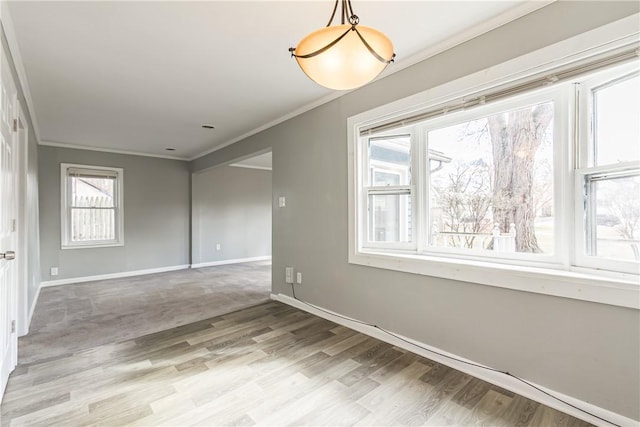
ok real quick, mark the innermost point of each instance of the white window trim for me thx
(66, 243)
(585, 164)
(618, 289)
(561, 133)
(580, 210)
(411, 246)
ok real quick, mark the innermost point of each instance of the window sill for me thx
(92, 246)
(585, 285)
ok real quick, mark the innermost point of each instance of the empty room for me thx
(320, 213)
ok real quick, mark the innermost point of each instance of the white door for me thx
(8, 203)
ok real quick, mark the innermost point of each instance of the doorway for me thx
(232, 208)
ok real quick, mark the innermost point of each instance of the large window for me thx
(91, 206)
(492, 188)
(535, 175)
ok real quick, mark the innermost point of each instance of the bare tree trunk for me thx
(502, 147)
(515, 138)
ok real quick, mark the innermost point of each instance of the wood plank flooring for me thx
(266, 365)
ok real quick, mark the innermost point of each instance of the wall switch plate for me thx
(218, 246)
(299, 278)
(54, 271)
(282, 201)
(288, 274)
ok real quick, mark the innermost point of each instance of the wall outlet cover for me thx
(54, 271)
(288, 274)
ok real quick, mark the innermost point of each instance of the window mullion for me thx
(566, 156)
(421, 188)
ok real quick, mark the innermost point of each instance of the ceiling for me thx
(145, 76)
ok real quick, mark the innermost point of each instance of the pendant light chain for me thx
(333, 14)
(352, 16)
(346, 12)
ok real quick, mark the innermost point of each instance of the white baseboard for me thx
(230, 261)
(113, 275)
(499, 379)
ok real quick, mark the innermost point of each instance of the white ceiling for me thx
(144, 76)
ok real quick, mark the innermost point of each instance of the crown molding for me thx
(14, 52)
(310, 106)
(109, 150)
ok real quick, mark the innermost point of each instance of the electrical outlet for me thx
(218, 246)
(288, 274)
(54, 271)
(282, 201)
(299, 278)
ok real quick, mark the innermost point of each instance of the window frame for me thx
(583, 210)
(402, 189)
(66, 208)
(568, 280)
(559, 96)
(586, 166)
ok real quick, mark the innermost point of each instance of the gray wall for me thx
(156, 215)
(232, 207)
(582, 349)
(31, 242)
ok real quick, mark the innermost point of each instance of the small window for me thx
(91, 206)
(613, 215)
(608, 180)
(389, 191)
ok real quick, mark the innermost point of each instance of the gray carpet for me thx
(73, 317)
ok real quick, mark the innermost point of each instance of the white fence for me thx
(504, 242)
(92, 219)
(498, 241)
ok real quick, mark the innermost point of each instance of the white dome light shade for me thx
(347, 64)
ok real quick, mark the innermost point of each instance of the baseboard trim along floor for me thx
(133, 273)
(231, 261)
(495, 378)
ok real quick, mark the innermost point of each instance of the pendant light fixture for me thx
(344, 56)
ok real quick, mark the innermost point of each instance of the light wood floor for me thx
(266, 365)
